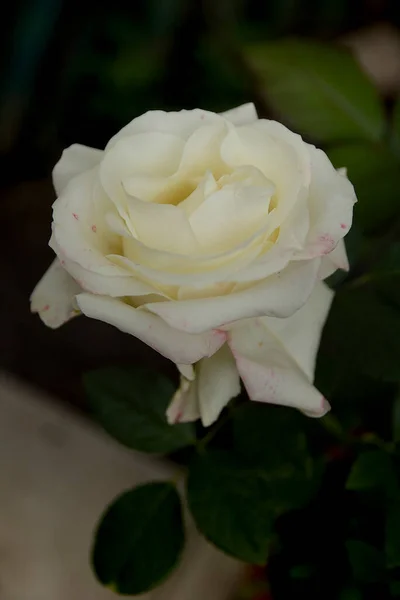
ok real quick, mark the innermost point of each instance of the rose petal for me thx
(80, 228)
(300, 334)
(232, 214)
(241, 115)
(184, 406)
(74, 160)
(53, 296)
(280, 295)
(217, 382)
(268, 371)
(337, 259)
(179, 123)
(331, 201)
(178, 346)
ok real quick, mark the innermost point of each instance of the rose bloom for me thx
(207, 237)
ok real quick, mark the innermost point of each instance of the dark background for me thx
(78, 71)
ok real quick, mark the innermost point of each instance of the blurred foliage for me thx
(319, 499)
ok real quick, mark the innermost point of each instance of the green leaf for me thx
(232, 505)
(395, 588)
(319, 89)
(374, 172)
(385, 276)
(361, 333)
(396, 419)
(140, 539)
(350, 593)
(273, 438)
(367, 563)
(396, 127)
(392, 542)
(373, 469)
(270, 436)
(131, 404)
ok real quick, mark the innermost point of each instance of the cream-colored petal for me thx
(232, 214)
(162, 227)
(268, 371)
(179, 123)
(202, 151)
(187, 371)
(241, 115)
(53, 297)
(337, 259)
(180, 347)
(275, 158)
(300, 334)
(184, 405)
(331, 201)
(280, 295)
(80, 228)
(73, 161)
(217, 383)
(151, 154)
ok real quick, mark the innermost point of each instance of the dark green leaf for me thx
(385, 276)
(319, 90)
(367, 563)
(374, 172)
(393, 533)
(273, 438)
(232, 505)
(350, 593)
(396, 419)
(361, 333)
(140, 539)
(131, 404)
(373, 469)
(396, 127)
(395, 588)
(269, 435)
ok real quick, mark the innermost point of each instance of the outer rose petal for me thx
(241, 115)
(53, 296)
(279, 296)
(331, 200)
(178, 346)
(276, 358)
(74, 160)
(215, 382)
(337, 259)
(184, 406)
(300, 334)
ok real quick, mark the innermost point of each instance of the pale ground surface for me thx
(57, 473)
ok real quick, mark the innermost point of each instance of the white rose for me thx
(202, 235)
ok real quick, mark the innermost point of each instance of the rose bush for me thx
(207, 237)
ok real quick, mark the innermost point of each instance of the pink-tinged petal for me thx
(300, 334)
(74, 160)
(337, 259)
(184, 405)
(217, 383)
(81, 206)
(268, 371)
(241, 115)
(180, 347)
(331, 201)
(53, 297)
(279, 296)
